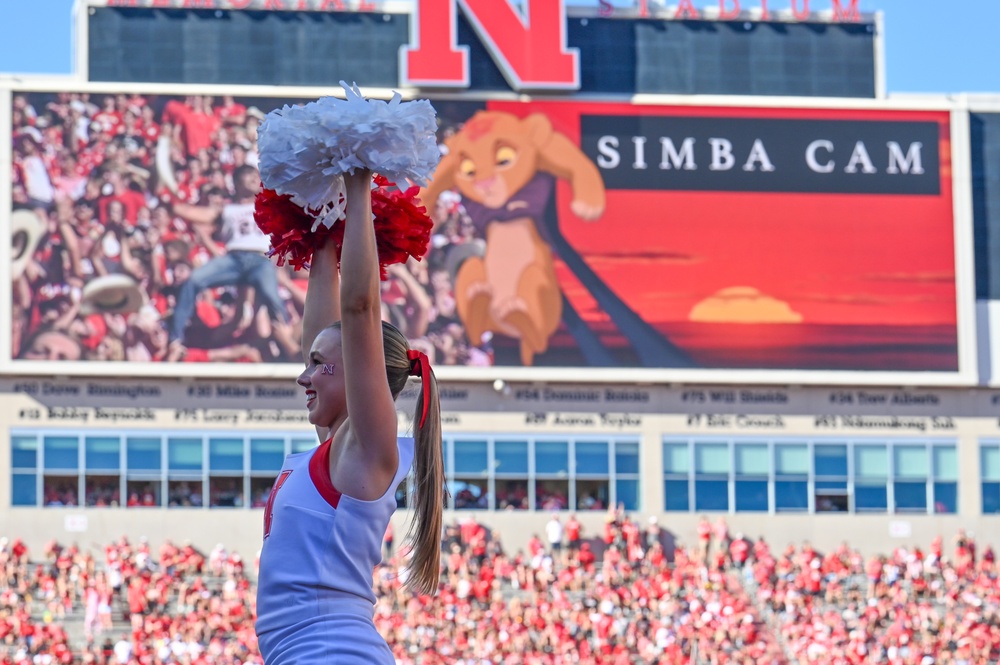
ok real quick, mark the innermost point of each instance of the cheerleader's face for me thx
(323, 380)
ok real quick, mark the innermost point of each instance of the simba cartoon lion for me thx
(505, 168)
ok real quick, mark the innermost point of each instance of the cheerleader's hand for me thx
(358, 183)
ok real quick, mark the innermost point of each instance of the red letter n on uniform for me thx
(269, 508)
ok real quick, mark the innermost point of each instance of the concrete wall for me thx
(240, 530)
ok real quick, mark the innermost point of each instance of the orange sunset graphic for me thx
(772, 280)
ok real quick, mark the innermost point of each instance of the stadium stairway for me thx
(745, 580)
(74, 620)
(74, 623)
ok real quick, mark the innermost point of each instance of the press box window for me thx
(60, 490)
(592, 469)
(830, 484)
(510, 466)
(185, 485)
(102, 461)
(102, 453)
(225, 455)
(945, 460)
(24, 453)
(791, 477)
(61, 482)
(752, 470)
(24, 464)
(711, 479)
(184, 455)
(552, 475)
(61, 453)
(627, 475)
(143, 454)
(144, 464)
(989, 469)
(266, 455)
(871, 473)
(911, 468)
(470, 486)
(676, 480)
(24, 489)
(225, 464)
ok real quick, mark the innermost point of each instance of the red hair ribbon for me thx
(420, 366)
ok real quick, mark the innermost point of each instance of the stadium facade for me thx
(774, 296)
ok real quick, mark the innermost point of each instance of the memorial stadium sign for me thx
(528, 42)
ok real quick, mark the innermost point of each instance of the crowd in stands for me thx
(625, 595)
(915, 605)
(121, 199)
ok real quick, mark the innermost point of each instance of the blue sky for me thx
(935, 46)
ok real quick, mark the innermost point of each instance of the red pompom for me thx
(290, 228)
(402, 227)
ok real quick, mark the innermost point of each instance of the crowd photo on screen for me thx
(130, 239)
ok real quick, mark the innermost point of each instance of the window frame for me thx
(814, 482)
(569, 477)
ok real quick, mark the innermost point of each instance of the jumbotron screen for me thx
(668, 237)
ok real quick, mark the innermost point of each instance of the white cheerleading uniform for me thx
(315, 604)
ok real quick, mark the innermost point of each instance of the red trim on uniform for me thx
(319, 471)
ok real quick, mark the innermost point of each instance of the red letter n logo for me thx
(269, 508)
(529, 48)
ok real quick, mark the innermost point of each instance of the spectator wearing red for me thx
(195, 125)
(573, 530)
(739, 550)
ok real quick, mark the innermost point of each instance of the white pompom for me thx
(305, 150)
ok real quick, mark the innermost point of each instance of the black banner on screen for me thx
(763, 155)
